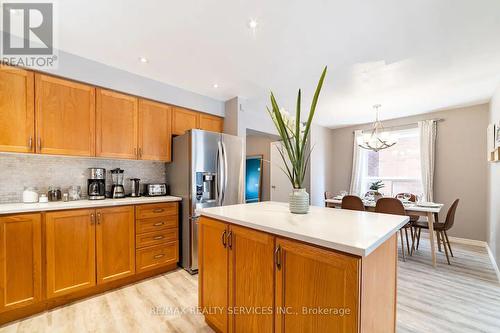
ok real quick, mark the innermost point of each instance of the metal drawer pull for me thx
(158, 237)
(158, 210)
(224, 238)
(31, 142)
(158, 256)
(158, 224)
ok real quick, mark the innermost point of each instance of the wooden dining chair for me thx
(394, 206)
(328, 195)
(440, 228)
(352, 202)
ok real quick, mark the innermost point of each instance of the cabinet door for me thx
(70, 248)
(213, 281)
(115, 239)
(116, 125)
(251, 280)
(155, 131)
(312, 279)
(17, 111)
(211, 123)
(20, 261)
(65, 117)
(183, 120)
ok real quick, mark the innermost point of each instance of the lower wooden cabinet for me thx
(308, 279)
(70, 251)
(115, 243)
(20, 261)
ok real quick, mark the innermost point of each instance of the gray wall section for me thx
(461, 166)
(493, 230)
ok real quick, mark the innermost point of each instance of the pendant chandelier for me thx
(378, 138)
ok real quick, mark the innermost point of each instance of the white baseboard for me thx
(493, 262)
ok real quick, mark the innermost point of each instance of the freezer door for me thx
(233, 170)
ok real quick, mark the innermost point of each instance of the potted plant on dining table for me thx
(295, 151)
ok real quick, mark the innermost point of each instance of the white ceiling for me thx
(410, 56)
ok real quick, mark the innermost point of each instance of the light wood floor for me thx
(463, 297)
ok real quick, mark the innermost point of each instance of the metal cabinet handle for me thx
(230, 240)
(158, 237)
(277, 257)
(30, 142)
(158, 224)
(98, 218)
(158, 210)
(159, 256)
(140, 152)
(224, 238)
(39, 144)
(92, 218)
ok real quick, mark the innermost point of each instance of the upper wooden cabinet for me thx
(70, 251)
(183, 120)
(20, 261)
(155, 131)
(17, 112)
(116, 125)
(211, 123)
(65, 117)
(115, 243)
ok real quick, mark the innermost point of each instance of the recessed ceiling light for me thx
(253, 23)
(143, 60)
(216, 85)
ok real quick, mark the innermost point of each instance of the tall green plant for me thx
(295, 136)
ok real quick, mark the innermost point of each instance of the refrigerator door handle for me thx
(224, 186)
(220, 174)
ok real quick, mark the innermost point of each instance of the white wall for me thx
(321, 164)
(493, 227)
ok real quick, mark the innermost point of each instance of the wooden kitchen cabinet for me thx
(20, 261)
(184, 120)
(213, 268)
(17, 110)
(70, 251)
(251, 254)
(65, 117)
(311, 277)
(115, 243)
(116, 125)
(155, 131)
(211, 123)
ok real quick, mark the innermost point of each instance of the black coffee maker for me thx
(96, 184)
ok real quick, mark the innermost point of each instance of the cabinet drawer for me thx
(154, 210)
(155, 224)
(156, 256)
(156, 237)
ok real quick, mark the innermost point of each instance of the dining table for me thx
(411, 209)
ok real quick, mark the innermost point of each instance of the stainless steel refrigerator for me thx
(207, 171)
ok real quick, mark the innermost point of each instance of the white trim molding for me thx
(493, 262)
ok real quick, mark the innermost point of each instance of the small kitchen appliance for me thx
(96, 184)
(134, 182)
(117, 190)
(155, 190)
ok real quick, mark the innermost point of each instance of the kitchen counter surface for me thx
(353, 232)
(12, 208)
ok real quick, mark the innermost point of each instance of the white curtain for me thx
(427, 130)
(358, 165)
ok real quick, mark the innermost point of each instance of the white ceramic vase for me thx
(299, 201)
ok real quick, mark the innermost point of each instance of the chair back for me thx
(390, 206)
(450, 217)
(352, 202)
(413, 197)
(329, 195)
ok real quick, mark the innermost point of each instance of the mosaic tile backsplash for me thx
(42, 171)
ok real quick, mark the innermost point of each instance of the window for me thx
(398, 167)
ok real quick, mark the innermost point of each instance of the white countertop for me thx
(353, 232)
(12, 208)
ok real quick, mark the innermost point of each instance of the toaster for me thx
(154, 190)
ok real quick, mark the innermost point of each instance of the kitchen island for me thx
(263, 269)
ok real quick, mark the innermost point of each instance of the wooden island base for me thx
(253, 281)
